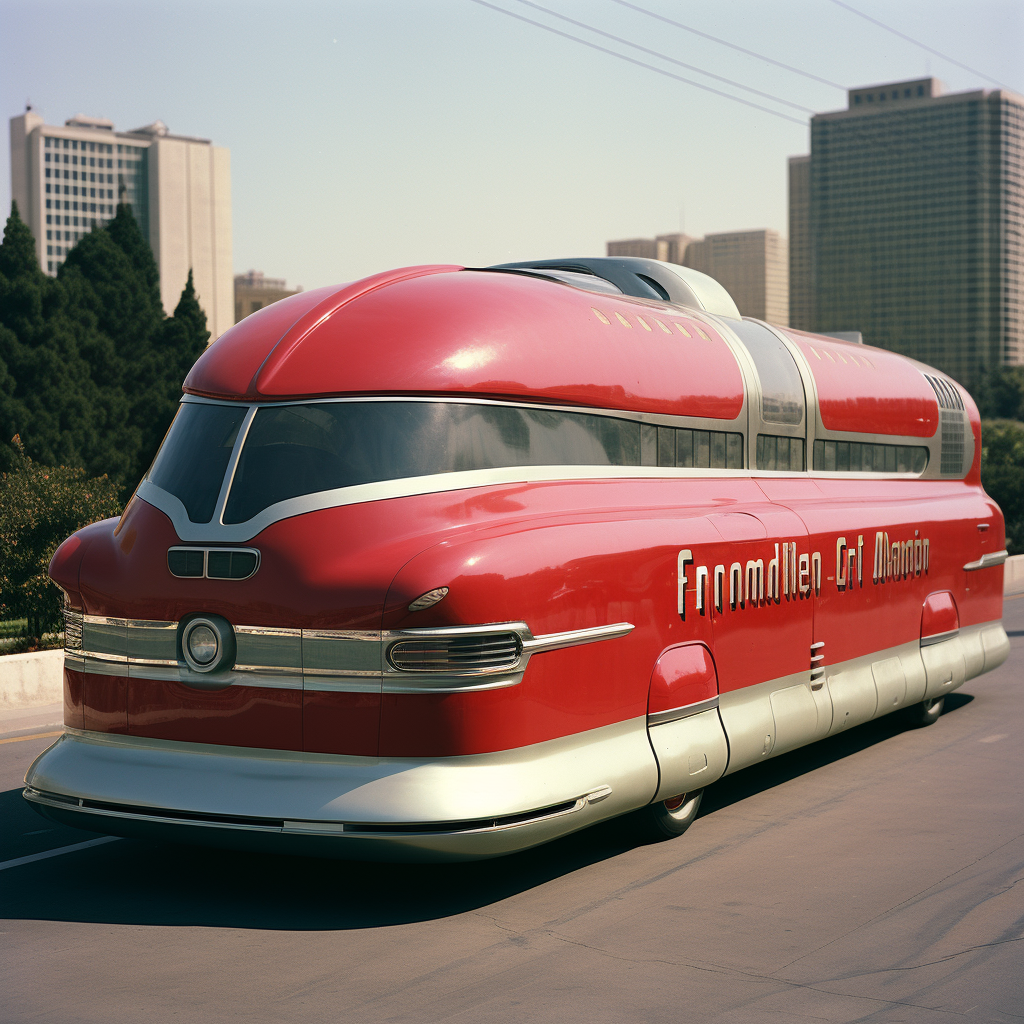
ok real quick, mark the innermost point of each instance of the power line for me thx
(909, 39)
(640, 63)
(662, 56)
(732, 46)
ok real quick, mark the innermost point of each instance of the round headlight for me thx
(207, 643)
(202, 644)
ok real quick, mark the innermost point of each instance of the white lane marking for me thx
(18, 861)
(995, 739)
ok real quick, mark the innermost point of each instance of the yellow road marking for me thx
(34, 736)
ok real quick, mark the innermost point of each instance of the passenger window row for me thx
(867, 457)
(684, 448)
(785, 453)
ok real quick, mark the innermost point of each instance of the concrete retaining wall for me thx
(31, 680)
(1013, 575)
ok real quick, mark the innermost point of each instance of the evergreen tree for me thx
(90, 366)
(18, 251)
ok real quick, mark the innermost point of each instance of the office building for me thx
(67, 180)
(645, 248)
(751, 265)
(916, 223)
(254, 291)
(801, 307)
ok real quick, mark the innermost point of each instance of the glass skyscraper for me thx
(914, 223)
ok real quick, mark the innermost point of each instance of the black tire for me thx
(925, 713)
(669, 818)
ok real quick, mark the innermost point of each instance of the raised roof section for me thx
(443, 330)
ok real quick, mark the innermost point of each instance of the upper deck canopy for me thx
(445, 330)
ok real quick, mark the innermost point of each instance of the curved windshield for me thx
(291, 450)
(194, 455)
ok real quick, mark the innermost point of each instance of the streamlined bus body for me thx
(447, 563)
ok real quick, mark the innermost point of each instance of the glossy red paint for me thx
(104, 703)
(939, 615)
(74, 698)
(867, 389)
(559, 555)
(486, 333)
(682, 675)
(240, 716)
(340, 723)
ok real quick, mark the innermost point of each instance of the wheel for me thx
(925, 713)
(669, 818)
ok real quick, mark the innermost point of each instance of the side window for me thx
(781, 453)
(684, 448)
(867, 457)
(782, 390)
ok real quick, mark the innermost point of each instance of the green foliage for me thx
(39, 507)
(999, 393)
(90, 367)
(1002, 474)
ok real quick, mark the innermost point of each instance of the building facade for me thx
(915, 206)
(801, 300)
(253, 291)
(752, 265)
(68, 180)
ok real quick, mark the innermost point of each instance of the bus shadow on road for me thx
(133, 882)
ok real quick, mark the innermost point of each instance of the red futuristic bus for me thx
(449, 562)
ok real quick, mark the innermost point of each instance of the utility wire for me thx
(662, 56)
(732, 46)
(641, 64)
(909, 39)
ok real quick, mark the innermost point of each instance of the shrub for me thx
(39, 507)
(1002, 474)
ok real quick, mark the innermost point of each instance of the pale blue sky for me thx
(366, 135)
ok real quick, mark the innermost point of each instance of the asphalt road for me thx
(873, 877)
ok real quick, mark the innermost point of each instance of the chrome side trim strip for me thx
(990, 558)
(937, 638)
(675, 714)
(320, 659)
(575, 637)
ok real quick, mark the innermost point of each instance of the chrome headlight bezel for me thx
(224, 636)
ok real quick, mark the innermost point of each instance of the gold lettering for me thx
(735, 585)
(702, 588)
(841, 563)
(685, 558)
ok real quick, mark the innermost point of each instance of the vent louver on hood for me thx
(953, 425)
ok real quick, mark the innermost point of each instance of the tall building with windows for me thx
(751, 265)
(67, 180)
(915, 223)
(800, 296)
(253, 291)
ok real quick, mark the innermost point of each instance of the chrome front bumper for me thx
(358, 808)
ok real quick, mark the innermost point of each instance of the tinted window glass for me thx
(192, 460)
(780, 453)
(301, 449)
(864, 457)
(782, 391)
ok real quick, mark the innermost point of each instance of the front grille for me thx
(73, 622)
(213, 563)
(488, 652)
(230, 565)
(186, 562)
